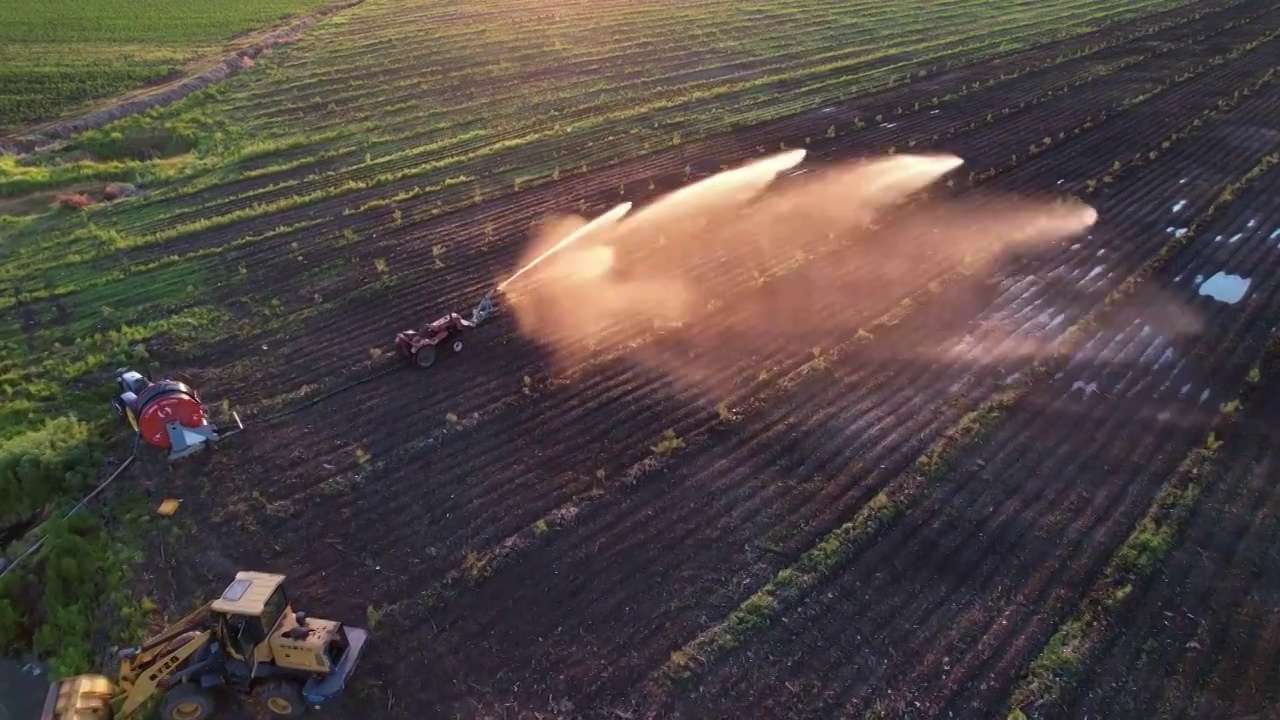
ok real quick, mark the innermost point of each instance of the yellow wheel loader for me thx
(248, 640)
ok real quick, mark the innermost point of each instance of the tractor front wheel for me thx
(283, 699)
(456, 345)
(426, 356)
(187, 702)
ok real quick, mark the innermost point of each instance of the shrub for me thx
(58, 602)
(43, 465)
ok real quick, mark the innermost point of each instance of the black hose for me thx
(321, 398)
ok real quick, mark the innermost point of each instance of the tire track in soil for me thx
(485, 589)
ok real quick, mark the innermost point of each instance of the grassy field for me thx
(58, 55)
(388, 164)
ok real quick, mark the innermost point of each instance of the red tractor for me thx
(421, 348)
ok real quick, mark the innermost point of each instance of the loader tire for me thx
(187, 702)
(283, 699)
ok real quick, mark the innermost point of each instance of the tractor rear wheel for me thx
(187, 702)
(426, 356)
(283, 699)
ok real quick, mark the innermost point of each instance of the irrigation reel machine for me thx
(166, 414)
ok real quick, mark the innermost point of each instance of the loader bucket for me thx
(83, 697)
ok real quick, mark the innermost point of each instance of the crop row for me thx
(521, 56)
(406, 174)
(794, 44)
(728, 500)
(182, 279)
(468, 274)
(712, 504)
(412, 144)
(1077, 642)
(1193, 633)
(482, 371)
(961, 92)
(498, 229)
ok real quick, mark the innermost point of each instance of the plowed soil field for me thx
(1037, 490)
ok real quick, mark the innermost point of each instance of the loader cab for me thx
(264, 635)
(249, 610)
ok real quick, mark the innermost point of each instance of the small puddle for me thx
(1177, 207)
(1225, 288)
(1088, 388)
(1094, 272)
(889, 125)
(1235, 238)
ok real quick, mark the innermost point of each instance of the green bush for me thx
(150, 137)
(44, 465)
(75, 581)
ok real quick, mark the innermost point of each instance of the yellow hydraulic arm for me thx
(136, 661)
(143, 669)
(145, 682)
